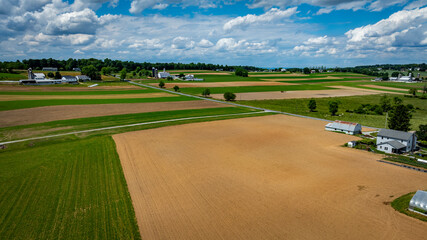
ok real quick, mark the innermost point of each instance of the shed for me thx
(83, 78)
(352, 144)
(419, 201)
(345, 127)
(391, 147)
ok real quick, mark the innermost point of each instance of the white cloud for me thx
(272, 15)
(147, 44)
(416, 4)
(204, 43)
(138, 6)
(403, 28)
(182, 43)
(78, 52)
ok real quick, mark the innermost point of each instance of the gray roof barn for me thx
(345, 126)
(419, 200)
(390, 133)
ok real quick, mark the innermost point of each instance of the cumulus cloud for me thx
(148, 44)
(138, 6)
(182, 43)
(272, 15)
(204, 43)
(416, 4)
(318, 47)
(403, 28)
(84, 21)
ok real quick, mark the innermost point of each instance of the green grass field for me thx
(401, 204)
(299, 106)
(215, 90)
(71, 190)
(11, 76)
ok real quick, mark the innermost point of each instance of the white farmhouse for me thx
(393, 141)
(345, 127)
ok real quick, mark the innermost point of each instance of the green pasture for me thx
(11, 76)
(299, 106)
(70, 190)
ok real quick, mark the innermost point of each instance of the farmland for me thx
(191, 171)
(262, 178)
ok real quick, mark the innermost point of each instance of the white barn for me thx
(419, 201)
(82, 78)
(345, 127)
(393, 141)
(164, 74)
(69, 79)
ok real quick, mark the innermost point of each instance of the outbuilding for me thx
(345, 127)
(69, 79)
(82, 78)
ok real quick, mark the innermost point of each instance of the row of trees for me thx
(113, 65)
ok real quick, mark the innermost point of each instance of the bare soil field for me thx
(105, 96)
(300, 79)
(278, 75)
(222, 84)
(54, 113)
(273, 177)
(342, 91)
(386, 88)
(59, 88)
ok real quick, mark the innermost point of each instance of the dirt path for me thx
(63, 112)
(275, 177)
(223, 84)
(96, 96)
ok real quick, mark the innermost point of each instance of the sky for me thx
(262, 33)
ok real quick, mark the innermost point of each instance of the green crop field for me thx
(71, 190)
(11, 76)
(299, 106)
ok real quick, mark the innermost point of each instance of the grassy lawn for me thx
(71, 190)
(299, 106)
(215, 90)
(401, 204)
(100, 92)
(11, 76)
(55, 127)
(11, 105)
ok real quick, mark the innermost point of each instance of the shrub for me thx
(176, 88)
(161, 84)
(229, 96)
(206, 92)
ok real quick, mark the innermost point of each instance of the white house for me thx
(419, 200)
(393, 141)
(345, 127)
(82, 78)
(39, 76)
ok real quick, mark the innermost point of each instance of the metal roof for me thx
(394, 144)
(390, 133)
(341, 125)
(419, 200)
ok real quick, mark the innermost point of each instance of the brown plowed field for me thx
(63, 112)
(274, 177)
(97, 96)
(341, 91)
(223, 84)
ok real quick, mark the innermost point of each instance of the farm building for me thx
(191, 77)
(51, 69)
(39, 76)
(345, 127)
(77, 70)
(393, 141)
(69, 79)
(82, 78)
(419, 201)
(40, 82)
(164, 74)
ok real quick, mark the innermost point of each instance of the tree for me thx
(241, 72)
(229, 96)
(385, 103)
(206, 92)
(106, 71)
(306, 70)
(312, 105)
(422, 133)
(161, 84)
(91, 72)
(333, 107)
(169, 78)
(400, 118)
(384, 76)
(50, 74)
(413, 91)
(58, 75)
(123, 74)
(425, 89)
(176, 88)
(395, 74)
(397, 101)
(181, 75)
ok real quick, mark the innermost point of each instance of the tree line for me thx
(114, 65)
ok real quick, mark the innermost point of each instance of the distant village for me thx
(40, 78)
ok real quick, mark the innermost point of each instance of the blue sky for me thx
(264, 33)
